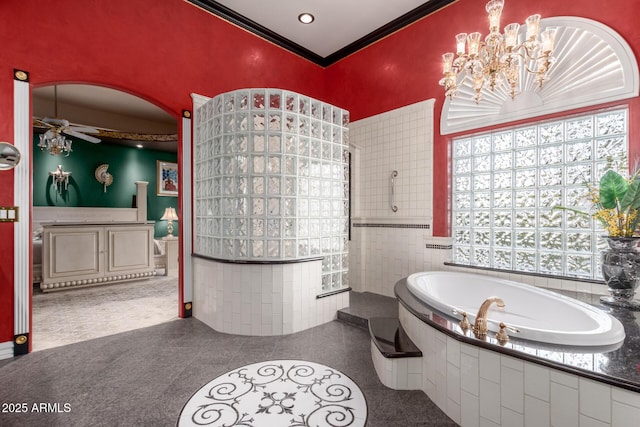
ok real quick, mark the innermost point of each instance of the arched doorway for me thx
(84, 92)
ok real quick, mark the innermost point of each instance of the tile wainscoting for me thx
(262, 299)
(380, 256)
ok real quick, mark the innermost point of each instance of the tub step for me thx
(363, 305)
(390, 339)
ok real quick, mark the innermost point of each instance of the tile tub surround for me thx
(262, 299)
(278, 392)
(481, 383)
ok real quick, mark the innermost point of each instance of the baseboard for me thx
(6, 350)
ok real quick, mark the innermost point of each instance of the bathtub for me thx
(540, 315)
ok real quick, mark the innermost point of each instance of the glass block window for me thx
(506, 182)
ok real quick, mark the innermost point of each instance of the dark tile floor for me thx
(144, 377)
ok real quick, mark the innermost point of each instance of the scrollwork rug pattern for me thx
(287, 393)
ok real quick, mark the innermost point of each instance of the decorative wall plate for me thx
(104, 177)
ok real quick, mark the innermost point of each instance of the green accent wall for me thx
(127, 165)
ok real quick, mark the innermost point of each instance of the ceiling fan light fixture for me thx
(55, 143)
(306, 18)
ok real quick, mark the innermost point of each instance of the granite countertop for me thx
(618, 365)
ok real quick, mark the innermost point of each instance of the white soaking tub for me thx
(540, 315)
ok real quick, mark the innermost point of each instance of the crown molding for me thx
(265, 33)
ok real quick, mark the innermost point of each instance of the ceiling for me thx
(109, 109)
(340, 27)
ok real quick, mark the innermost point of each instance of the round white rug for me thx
(287, 393)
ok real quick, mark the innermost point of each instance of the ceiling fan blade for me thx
(83, 129)
(40, 123)
(62, 122)
(81, 136)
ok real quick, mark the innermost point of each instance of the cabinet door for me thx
(71, 253)
(129, 249)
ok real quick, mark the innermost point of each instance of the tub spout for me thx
(480, 325)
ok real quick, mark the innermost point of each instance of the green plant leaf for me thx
(576, 211)
(613, 188)
(632, 198)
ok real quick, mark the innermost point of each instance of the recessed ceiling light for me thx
(306, 18)
(139, 145)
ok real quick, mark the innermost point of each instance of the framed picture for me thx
(167, 178)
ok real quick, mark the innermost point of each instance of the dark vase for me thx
(621, 271)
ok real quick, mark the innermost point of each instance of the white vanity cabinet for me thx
(76, 254)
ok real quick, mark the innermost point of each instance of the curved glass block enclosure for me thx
(272, 180)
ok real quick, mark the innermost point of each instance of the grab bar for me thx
(394, 208)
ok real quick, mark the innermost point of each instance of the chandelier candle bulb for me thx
(511, 35)
(533, 26)
(461, 41)
(447, 60)
(494, 9)
(473, 41)
(548, 40)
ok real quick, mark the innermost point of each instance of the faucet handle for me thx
(509, 327)
(502, 335)
(464, 322)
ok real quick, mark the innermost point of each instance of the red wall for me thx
(405, 67)
(165, 50)
(159, 50)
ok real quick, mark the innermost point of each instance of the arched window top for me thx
(594, 65)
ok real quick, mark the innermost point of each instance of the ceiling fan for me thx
(54, 131)
(61, 126)
(55, 127)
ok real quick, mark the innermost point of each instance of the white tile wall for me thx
(595, 400)
(564, 405)
(536, 412)
(479, 387)
(397, 373)
(379, 257)
(401, 140)
(262, 299)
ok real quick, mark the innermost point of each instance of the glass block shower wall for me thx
(271, 180)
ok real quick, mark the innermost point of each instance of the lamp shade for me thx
(170, 215)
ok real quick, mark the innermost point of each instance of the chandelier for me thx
(499, 58)
(54, 142)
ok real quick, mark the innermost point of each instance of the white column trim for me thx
(186, 215)
(22, 199)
